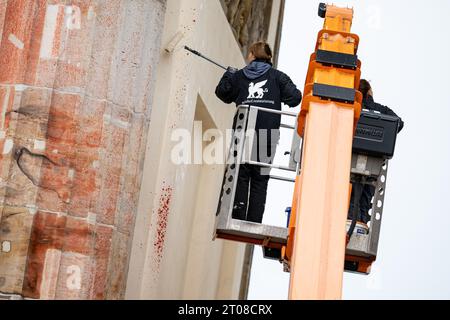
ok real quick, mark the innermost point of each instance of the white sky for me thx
(405, 52)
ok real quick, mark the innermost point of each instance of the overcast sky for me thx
(405, 50)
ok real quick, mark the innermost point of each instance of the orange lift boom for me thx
(315, 251)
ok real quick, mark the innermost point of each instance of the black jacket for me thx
(267, 91)
(370, 104)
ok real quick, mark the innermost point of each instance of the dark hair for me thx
(261, 50)
(364, 87)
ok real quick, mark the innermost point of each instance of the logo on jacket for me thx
(256, 91)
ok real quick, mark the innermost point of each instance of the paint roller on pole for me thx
(176, 39)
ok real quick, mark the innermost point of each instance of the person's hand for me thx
(232, 70)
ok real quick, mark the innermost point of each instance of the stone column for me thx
(76, 83)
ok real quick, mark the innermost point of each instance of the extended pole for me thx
(202, 56)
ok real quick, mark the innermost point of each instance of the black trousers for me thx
(251, 193)
(365, 203)
(251, 189)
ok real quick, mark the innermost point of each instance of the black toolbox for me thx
(376, 135)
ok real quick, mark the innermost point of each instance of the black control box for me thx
(376, 135)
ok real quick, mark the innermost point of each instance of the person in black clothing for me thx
(368, 191)
(260, 85)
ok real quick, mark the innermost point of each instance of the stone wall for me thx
(249, 20)
(76, 83)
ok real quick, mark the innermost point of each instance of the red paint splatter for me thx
(161, 227)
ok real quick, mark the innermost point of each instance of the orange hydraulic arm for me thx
(315, 251)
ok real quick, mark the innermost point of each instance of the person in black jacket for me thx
(370, 104)
(368, 191)
(260, 85)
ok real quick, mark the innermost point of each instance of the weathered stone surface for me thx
(118, 266)
(102, 249)
(249, 20)
(76, 81)
(2, 16)
(15, 229)
(48, 232)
